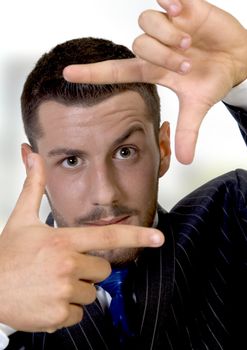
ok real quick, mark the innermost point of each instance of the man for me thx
(102, 151)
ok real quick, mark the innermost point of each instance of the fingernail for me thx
(185, 67)
(185, 43)
(156, 239)
(66, 71)
(30, 161)
(171, 7)
(174, 8)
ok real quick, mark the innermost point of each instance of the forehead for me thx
(73, 123)
(115, 108)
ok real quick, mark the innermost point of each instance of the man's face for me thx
(102, 164)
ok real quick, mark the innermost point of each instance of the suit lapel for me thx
(154, 287)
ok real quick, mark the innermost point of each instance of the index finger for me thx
(108, 237)
(107, 72)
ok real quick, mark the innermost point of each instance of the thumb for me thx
(191, 115)
(28, 203)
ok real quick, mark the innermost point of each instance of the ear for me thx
(165, 149)
(25, 150)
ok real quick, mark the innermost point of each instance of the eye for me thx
(125, 153)
(71, 162)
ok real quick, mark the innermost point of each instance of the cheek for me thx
(66, 192)
(141, 180)
(148, 188)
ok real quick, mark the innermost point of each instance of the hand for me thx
(46, 275)
(196, 49)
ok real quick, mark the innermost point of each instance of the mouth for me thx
(109, 221)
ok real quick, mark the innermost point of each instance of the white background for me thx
(28, 28)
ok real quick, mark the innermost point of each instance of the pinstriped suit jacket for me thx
(191, 293)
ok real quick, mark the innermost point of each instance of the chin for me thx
(118, 257)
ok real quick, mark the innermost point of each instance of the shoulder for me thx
(231, 186)
(216, 210)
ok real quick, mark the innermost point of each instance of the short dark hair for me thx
(45, 82)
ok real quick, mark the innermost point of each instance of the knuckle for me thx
(28, 185)
(106, 268)
(175, 37)
(143, 18)
(33, 183)
(57, 318)
(69, 265)
(62, 315)
(78, 315)
(115, 72)
(67, 291)
(136, 45)
(167, 59)
(102, 269)
(39, 183)
(75, 317)
(91, 294)
(56, 242)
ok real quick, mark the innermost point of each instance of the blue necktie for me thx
(114, 286)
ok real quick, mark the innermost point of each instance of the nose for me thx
(105, 189)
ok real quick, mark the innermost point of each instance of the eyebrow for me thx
(63, 151)
(132, 130)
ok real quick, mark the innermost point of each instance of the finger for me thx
(173, 7)
(64, 316)
(149, 49)
(157, 25)
(116, 71)
(112, 236)
(107, 72)
(191, 115)
(74, 316)
(84, 293)
(89, 268)
(28, 204)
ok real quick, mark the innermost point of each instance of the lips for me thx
(108, 221)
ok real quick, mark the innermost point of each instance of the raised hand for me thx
(46, 273)
(194, 48)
